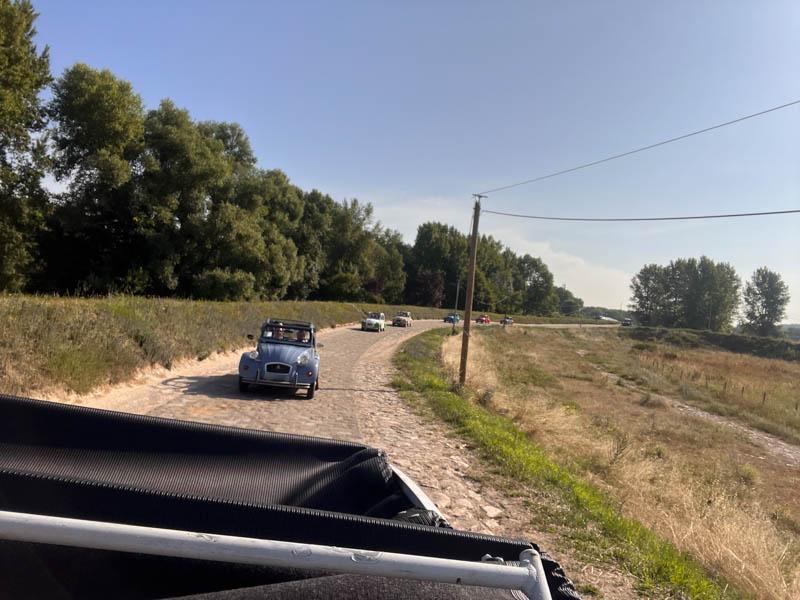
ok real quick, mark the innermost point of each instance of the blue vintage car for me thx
(285, 356)
(452, 318)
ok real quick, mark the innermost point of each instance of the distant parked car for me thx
(483, 319)
(285, 356)
(452, 318)
(402, 319)
(506, 320)
(374, 321)
(627, 323)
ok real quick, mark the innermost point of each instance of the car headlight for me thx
(253, 355)
(303, 358)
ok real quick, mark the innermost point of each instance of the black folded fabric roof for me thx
(86, 447)
(78, 462)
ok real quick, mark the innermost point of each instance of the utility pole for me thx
(473, 250)
(455, 309)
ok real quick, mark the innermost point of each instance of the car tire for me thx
(243, 387)
(311, 389)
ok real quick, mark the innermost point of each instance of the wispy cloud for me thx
(597, 284)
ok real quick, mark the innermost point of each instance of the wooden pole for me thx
(473, 250)
(458, 285)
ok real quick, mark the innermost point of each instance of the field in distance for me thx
(622, 414)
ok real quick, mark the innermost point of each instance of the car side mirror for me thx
(250, 336)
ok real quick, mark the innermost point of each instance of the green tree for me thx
(568, 303)
(185, 169)
(540, 297)
(649, 299)
(716, 295)
(765, 300)
(349, 244)
(427, 288)
(699, 294)
(24, 73)
(310, 235)
(98, 145)
(100, 128)
(439, 247)
(390, 277)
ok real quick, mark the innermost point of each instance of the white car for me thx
(375, 321)
(402, 319)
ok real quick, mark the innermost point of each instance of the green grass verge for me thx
(657, 565)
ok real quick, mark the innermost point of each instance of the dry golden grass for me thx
(762, 392)
(702, 486)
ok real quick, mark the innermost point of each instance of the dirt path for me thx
(769, 446)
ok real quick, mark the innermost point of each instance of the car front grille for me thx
(277, 368)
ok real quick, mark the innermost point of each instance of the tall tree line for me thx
(702, 294)
(154, 202)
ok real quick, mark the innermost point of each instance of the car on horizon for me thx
(483, 319)
(506, 320)
(285, 356)
(627, 323)
(452, 318)
(402, 319)
(374, 321)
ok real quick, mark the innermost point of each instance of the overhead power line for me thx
(753, 214)
(642, 149)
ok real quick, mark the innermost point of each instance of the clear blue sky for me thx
(413, 106)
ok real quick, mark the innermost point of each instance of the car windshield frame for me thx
(374, 315)
(289, 334)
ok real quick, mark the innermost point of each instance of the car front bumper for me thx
(270, 383)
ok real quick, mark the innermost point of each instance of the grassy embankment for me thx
(585, 516)
(77, 344)
(599, 401)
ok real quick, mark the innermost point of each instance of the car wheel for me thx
(243, 387)
(311, 389)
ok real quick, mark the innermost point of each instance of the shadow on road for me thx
(227, 387)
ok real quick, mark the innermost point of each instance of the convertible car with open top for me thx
(285, 356)
(100, 504)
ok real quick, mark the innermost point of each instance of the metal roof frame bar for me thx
(528, 578)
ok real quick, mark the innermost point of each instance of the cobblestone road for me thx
(208, 390)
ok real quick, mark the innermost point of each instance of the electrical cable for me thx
(642, 149)
(728, 216)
